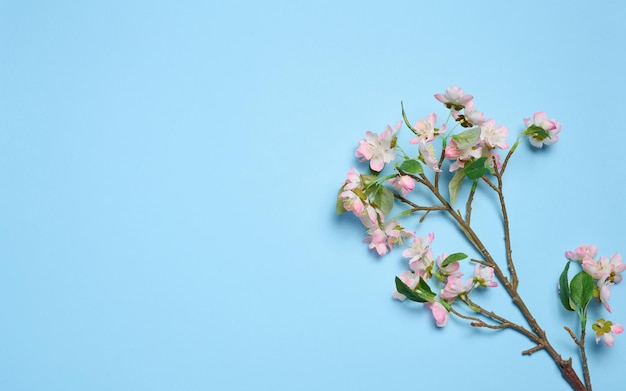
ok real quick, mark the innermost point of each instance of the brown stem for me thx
(565, 366)
(507, 232)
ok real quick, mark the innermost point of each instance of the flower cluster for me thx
(604, 272)
(445, 271)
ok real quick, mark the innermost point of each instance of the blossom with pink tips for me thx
(610, 268)
(377, 240)
(540, 120)
(454, 98)
(604, 292)
(419, 248)
(606, 330)
(440, 313)
(451, 269)
(582, 252)
(453, 151)
(484, 277)
(455, 287)
(425, 129)
(470, 117)
(379, 149)
(493, 136)
(427, 155)
(404, 183)
(396, 234)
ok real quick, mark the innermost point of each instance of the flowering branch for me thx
(474, 157)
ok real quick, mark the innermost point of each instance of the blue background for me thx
(168, 173)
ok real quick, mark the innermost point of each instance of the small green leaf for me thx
(453, 258)
(339, 205)
(455, 185)
(564, 288)
(383, 199)
(412, 166)
(404, 289)
(581, 289)
(406, 120)
(476, 169)
(467, 139)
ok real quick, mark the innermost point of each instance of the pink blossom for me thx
(396, 234)
(410, 279)
(352, 202)
(440, 313)
(604, 288)
(609, 268)
(425, 129)
(378, 241)
(450, 269)
(378, 149)
(484, 276)
(454, 98)
(582, 252)
(454, 287)
(551, 126)
(427, 154)
(404, 183)
(452, 151)
(606, 330)
(494, 136)
(419, 247)
(470, 117)
(423, 266)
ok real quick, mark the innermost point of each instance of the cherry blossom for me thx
(551, 126)
(582, 252)
(404, 183)
(425, 129)
(454, 98)
(452, 151)
(378, 149)
(440, 313)
(454, 287)
(493, 136)
(484, 277)
(427, 154)
(609, 268)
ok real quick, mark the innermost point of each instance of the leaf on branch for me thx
(383, 198)
(467, 139)
(412, 166)
(455, 185)
(581, 289)
(564, 288)
(339, 205)
(476, 169)
(453, 258)
(421, 294)
(406, 120)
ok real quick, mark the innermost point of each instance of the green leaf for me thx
(581, 289)
(404, 289)
(455, 185)
(476, 169)
(339, 205)
(411, 166)
(383, 198)
(453, 258)
(406, 120)
(564, 288)
(467, 139)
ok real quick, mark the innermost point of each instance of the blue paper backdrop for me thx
(168, 173)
